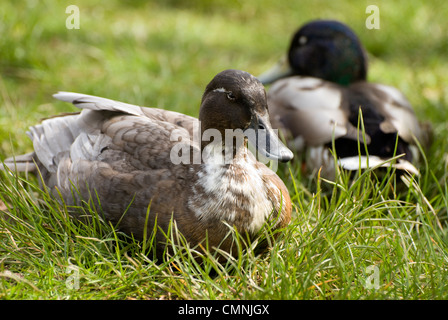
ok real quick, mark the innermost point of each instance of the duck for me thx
(319, 93)
(151, 168)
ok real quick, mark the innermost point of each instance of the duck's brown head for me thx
(234, 100)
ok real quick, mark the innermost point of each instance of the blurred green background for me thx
(163, 53)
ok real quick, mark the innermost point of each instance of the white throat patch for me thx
(227, 192)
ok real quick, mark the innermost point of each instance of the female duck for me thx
(129, 158)
(322, 89)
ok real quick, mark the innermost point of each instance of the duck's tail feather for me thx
(21, 163)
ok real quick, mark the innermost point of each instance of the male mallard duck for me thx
(318, 92)
(129, 158)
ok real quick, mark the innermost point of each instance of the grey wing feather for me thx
(400, 114)
(81, 136)
(310, 108)
(52, 137)
(84, 101)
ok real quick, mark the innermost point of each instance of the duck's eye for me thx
(230, 96)
(303, 40)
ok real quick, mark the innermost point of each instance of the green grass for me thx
(163, 55)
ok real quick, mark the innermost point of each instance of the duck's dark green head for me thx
(325, 49)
